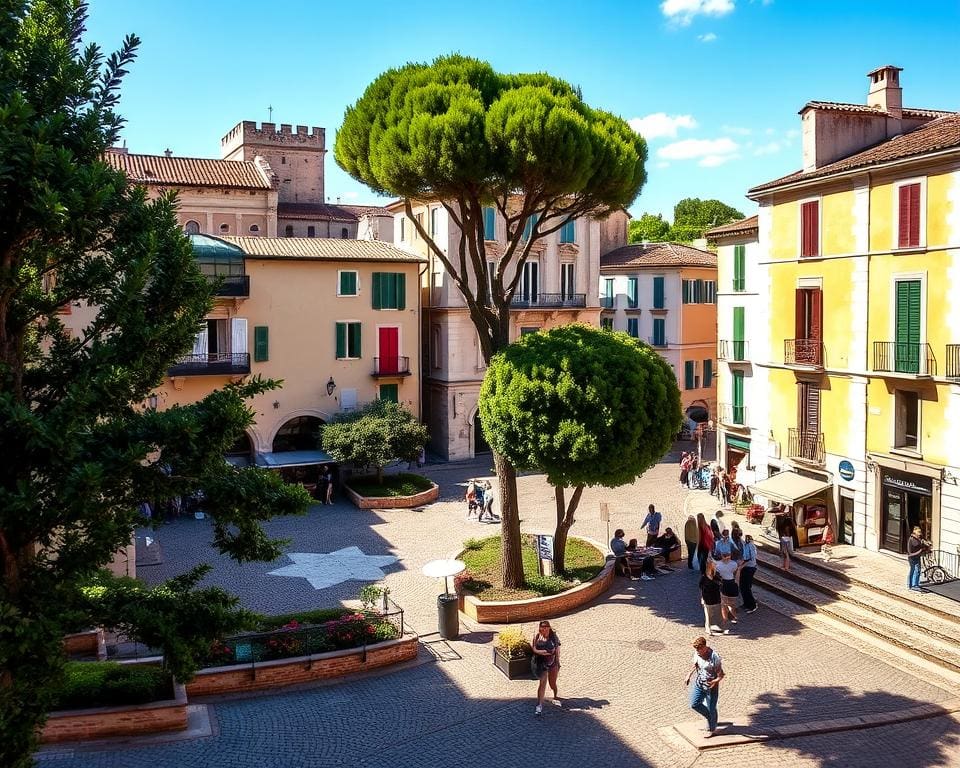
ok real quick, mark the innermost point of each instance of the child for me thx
(826, 544)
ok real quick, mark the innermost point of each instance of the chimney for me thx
(885, 91)
(168, 152)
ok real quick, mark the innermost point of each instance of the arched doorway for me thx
(240, 454)
(480, 444)
(298, 434)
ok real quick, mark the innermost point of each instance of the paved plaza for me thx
(624, 661)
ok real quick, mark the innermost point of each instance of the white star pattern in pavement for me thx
(326, 570)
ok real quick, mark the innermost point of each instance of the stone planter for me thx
(393, 502)
(89, 643)
(513, 668)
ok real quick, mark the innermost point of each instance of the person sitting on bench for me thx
(667, 542)
(646, 564)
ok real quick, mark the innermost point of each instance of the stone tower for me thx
(296, 156)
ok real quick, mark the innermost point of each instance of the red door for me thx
(389, 345)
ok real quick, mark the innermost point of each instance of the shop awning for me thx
(788, 487)
(293, 459)
(240, 462)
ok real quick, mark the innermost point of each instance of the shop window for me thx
(288, 230)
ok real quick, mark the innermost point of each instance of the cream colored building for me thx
(558, 286)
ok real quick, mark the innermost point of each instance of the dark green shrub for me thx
(108, 684)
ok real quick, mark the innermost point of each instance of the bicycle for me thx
(931, 569)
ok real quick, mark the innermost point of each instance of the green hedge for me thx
(108, 684)
(403, 484)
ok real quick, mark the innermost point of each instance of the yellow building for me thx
(859, 341)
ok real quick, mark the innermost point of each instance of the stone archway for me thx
(267, 441)
(297, 434)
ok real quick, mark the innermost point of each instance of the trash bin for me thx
(449, 617)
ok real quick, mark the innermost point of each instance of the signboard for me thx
(846, 470)
(545, 547)
(912, 483)
(604, 512)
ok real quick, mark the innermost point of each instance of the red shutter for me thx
(816, 314)
(800, 325)
(908, 232)
(809, 216)
(914, 215)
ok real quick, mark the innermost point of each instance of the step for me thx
(904, 636)
(912, 613)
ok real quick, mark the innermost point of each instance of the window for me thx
(907, 347)
(224, 229)
(403, 230)
(254, 229)
(633, 295)
(810, 228)
(568, 232)
(527, 330)
(710, 292)
(489, 224)
(808, 326)
(390, 392)
(224, 261)
(192, 228)
(567, 281)
(739, 326)
(739, 267)
(658, 293)
(739, 414)
(261, 343)
(907, 428)
(606, 323)
(908, 215)
(530, 282)
(698, 291)
(288, 230)
(690, 375)
(389, 290)
(659, 332)
(633, 327)
(348, 341)
(808, 408)
(344, 234)
(607, 293)
(311, 231)
(707, 373)
(434, 213)
(347, 284)
(529, 227)
(435, 347)
(491, 275)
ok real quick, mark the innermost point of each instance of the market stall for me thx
(806, 500)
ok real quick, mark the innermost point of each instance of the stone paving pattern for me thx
(624, 660)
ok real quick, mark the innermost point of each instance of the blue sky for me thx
(714, 85)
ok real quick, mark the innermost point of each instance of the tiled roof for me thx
(188, 171)
(368, 210)
(320, 248)
(942, 133)
(315, 211)
(742, 227)
(840, 106)
(657, 255)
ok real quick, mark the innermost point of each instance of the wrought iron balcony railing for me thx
(953, 361)
(904, 357)
(805, 445)
(806, 352)
(734, 414)
(552, 300)
(607, 302)
(733, 350)
(212, 364)
(391, 366)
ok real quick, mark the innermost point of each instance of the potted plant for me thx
(511, 654)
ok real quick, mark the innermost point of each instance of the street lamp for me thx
(331, 385)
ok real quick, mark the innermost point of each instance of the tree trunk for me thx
(511, 561)
(565, 521)
(379, 475)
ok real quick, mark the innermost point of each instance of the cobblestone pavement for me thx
(624, 660)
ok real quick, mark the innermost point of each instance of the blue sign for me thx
(846, 470)
(545, 546)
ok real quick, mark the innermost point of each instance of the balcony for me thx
(231, 286)
(548, 301)
(806, 446)
(895, 357)
(391, 366)
(953, 361)
(735, 351)
(212, 364)
(733, 415)
(803, 353)
(608, 302)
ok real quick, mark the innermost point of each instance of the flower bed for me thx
(403, 491)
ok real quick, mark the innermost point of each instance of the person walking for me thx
(736, 539)
(652, 523)
(706, 674)
(748, 567)
(729, 591)
(329, 478)
(785, 529)
(546, 650)
(489, 497)
(826, 543)
(723, 546)
(704, 541)
(916, 546)
(690, 537)
(710, 599)
(322, 485)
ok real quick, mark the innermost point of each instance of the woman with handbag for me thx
(546, 662)
(729, 589)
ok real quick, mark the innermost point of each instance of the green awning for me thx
(738, 442)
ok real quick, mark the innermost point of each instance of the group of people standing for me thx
(480, 497)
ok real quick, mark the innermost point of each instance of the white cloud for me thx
(771, 132)
(707, 38)
(770, 148)
(660, 125)
(691, 149)
(712, 161)
(792, 133)
(663, 164)
(682, 12)
(736, 130)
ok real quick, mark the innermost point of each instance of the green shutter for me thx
(738, 331)
(907, 354)
(688, 370)
(489, 224)
(341, 341)
(353, 346)
(401, 291)
(390, 392)
(707, 373)
(685, 291)
(261, 347)
(658, 293)
(348, 283)
(739, 267)
(375, 290)
(738, 415)
(659, 332)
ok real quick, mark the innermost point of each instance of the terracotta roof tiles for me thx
(188, 171)
(321, 248)
(743, 227)
(639, 256)
(840, 106)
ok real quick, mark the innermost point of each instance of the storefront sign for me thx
(912, 483)
(846, 470)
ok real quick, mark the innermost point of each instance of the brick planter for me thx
(536, 608)
(394, 502)
(301, 669)
(132, 720)
(89, 643)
